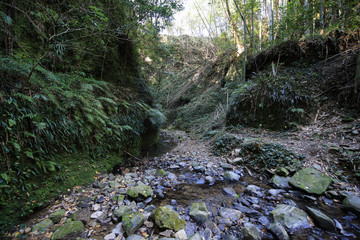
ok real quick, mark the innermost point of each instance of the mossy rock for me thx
(167, 218)
(199, 212)
(121, 211)
(70, 230)
(57, 216)
(140, 190)
(41, 226)
(311, 181)
(132, 222)
(160, 172)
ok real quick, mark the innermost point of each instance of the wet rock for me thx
(321, 219)
(41, 226)
(280, 182)
(140, 190)
(311, 181)
(230, 191)
(247, 211)
(251, 232)
(181, 235)
(57, 216)
(132, 222)
(231, 176)
(290, 217)
(166, 218)
(70, 230)
(352, 203)
(121, 211)
(195, 236)
(232, 214)
(199, 212)
(279, 231)
(135, 237)
(254, 190)
(159, 193)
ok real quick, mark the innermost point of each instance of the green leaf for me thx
(29, 154)
(12, 122)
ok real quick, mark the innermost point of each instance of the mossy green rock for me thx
(311, 181)
(160, 172)
(199, 212)
(132, 222)
(57, 216)
(41, 226)
(167, 218)
(140, 190)
(121, 211)
(70, 230)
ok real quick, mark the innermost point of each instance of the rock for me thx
(110, 236)
(281, 171)
(135, 237)
(70, 230)
(195, 236)
(280, 182)
(231, 176)
(290, 217)
(321, 219)
(230, 191)
(226, 166)
(279, 231)
(311, 181)
(114, 184)
(132, 222)
(140, 190)
(171, 176)
(41, 226)
(181, 235)
(166, 218)
(99, 215)
(27, 230)
(275, 192)
(254, 190)
(232, 214)
(57, 216)
(118, 230)
(210, 180)
(352, 203)
(121, 211)
(96, 207)
(199, 212)
(236, 161)
(251, 232)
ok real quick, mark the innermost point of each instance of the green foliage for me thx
(224, 144)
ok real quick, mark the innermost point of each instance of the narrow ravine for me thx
(188, 193)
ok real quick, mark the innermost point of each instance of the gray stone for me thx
(279, 231)
(311, 181)
(110, 236)
(251, 232)
(70, 230)
(231, 176)
(135, 237)
(195, 236)
(276, 192)
(290, 217)
(114, 184)
(321, 219)
(230, 191)
(181, 235)
(280, 182)
(41, 226)
(121, 211)
(57, 216)
(210, 180)
(352, 203)
(254, 190)
(99, 215)
(199, 212)
(132, 222)
(232, 214)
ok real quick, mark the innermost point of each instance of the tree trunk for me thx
(239, 48)
(245, 41)
(357, 80)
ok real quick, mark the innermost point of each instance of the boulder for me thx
(352, 203)
(166, 218)
(70, 230)
(41, 226)
(311, 181)
(231, 176)
(57, 216)
(121, 211)
(131, 222)
(321, 219)
(140, 190)
(199, 212)
(280, 182)
(232, 214)
(278, 231)
(251, 232)
(290, 217)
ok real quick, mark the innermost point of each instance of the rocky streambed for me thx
(188, 193)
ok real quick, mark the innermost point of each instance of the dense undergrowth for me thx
(57, 117)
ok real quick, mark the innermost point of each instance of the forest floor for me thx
(239, 200)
